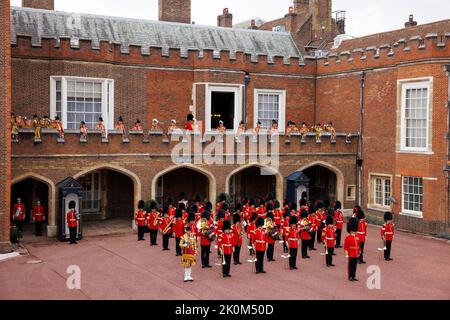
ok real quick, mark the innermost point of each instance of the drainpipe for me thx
(360, 158)
(447, 158)
(244, 108)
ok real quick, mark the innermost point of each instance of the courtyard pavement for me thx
(116, 266)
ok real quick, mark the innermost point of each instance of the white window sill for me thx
(411, 214)
(415, 152)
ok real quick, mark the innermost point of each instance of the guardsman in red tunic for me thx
(72, 222)
(178, 230)
(260, 245)
(320, 220)
(238, 231)
(262, 209)
(38, 217)
(304, 205)
(219, 224)
(206, 237)
(18, 213)
(166, 229)
(251, 228)
(293, 239)
(285, 230)
(277, 215)
(141, 220)
(314, 222)
(351, 248)
(329, 239)
(339, 222)
(225, 208)
(362, 233)
(387, 235)
(305, 233)
(226, 248)
(189, 126)
(191, 221)
(153, 221)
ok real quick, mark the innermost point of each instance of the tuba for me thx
(305, 224)
(271, 231)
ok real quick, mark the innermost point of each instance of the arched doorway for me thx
(254, 181)
(31, 190)
(322, 184)
(107, 194)
(183, 180)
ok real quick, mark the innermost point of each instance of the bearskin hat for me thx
(360, 215)
(293, 207)
(222, 197)
(252, 202)
(259, 222)
(329, 220)
(194, 209)
(169, 201)
(208, 205)
(72, 205)
(326, 204)
(178, 213)
(191, 217)
(226, 225)
(269, 206)
(237, 207)
(276, 204)
(141, 204)
(338, 205)
(293, 220)
(221, 214)
(190, 117)
(270, 215)
(153, 205)
(356, 209)
(206, 215)
(303, 202)
(286, 214)
(388, 216)
(165, 210)
(304, 214)
(236, 218)
(320, 205)
(254, 216)
(262, 202)
(225, 206)
(182, 206)
(330, 212)
(197, 198)
(312, 209)
(352, 225)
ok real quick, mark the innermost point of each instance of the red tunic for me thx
(277, 217)
(237, 239)
(304, 234)
(292, 238)
(72, 220)
(178, 228)
(362, 230)
(260, 240)
(313, 221)
(165, 222)
(21, 216)
(152, 220)
(351, 245)
(204, 241)
(261, 212)
(251, 231)
(227, 243)
(189, 126)
(39, 213)
(387, 231)
(171, 211)
(329, 236)
(141, 217)
(339, 219)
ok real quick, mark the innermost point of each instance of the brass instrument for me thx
(271, 231)
(156, 220)
(169, 225)
(305, 224)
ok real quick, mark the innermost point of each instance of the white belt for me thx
(329, 238)
(388, 233)
(361, 232)
(227, 245)
(260, 241)
(295, 239)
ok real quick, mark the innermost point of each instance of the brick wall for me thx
(39, 4)
(175, 11)
(5, 110)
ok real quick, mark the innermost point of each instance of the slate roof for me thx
(39, 24)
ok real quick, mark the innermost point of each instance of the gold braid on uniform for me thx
(188, 260)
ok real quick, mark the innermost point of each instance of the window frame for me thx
(422, 83)
(373, 177)
(91, 177)
(417, 214)
(107, 98)
(282, 107)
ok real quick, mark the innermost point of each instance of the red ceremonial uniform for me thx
(153, 220)
(39, 213)
(21, 216)
(251, 231)
(351, 245)
(269, 239)
(72, 219)
(178, 228)
(304, 234)
(165, 222)
(329, 237)
(362, 230)
(237, 239)
(189, 126)
(260, 240)
(277, 217)
(261, 212)
(140, 218)
(194, 230)
(313, 221)
(226, 243)
(204, 240)
(171, 211)
(339, 219)
(387, 231)
(292, 238)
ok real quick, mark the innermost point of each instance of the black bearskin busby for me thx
(153, 205)
(222, 197)
(225, 206)
(312, 209)
(338, 205)
(293, 207)
(270, 215)
(237, 207)
(352, 225)
(178, 213)
(191, 217)
(252, 202)
(259, 222)
(206, 215)
(302, 202)
(388, 216)
(360, 215)
(208, 205)
(276, 204)
(181, 206)
(320, 205)
(221, 214)
(194, 209)
(141, 204)
(169, 201)
(165, 210)
(293, 220)
(269, 206)
(304, 214)
(197, 198)
(73, 205)
(236, 218)
(262, 202)
(329, 220)
(253, 217)
(226, 225)
(190, 117)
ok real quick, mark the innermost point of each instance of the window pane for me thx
(413, 194)
(416, 118)
(268, 109)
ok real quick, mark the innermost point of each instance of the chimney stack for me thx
(301, 6)
(410, 22)
(225, 20)
(39, 4)
(253, 25)
(175, 11)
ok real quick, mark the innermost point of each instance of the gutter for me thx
(447, 157)
(360, 157)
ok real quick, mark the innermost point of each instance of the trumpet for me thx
(156, 220)
(169, 225)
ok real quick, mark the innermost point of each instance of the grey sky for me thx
(363, 17)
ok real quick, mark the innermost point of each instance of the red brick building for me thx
(389, 91)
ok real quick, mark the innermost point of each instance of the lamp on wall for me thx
(247, 80)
